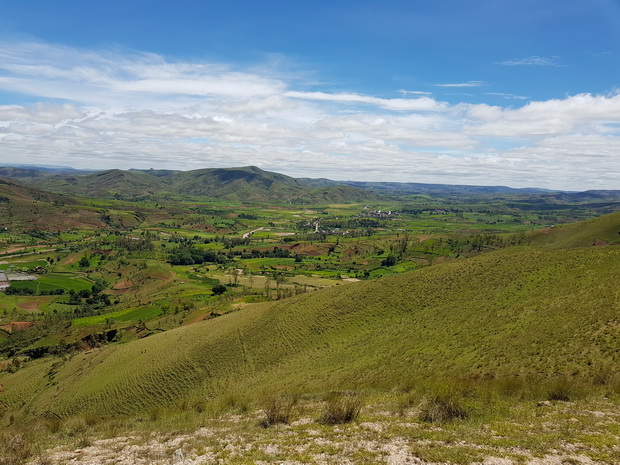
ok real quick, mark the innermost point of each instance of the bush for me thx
(218, 289)
(341, 407)
(442, 408)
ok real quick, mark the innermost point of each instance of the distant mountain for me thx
(240, 184)
(409, 188)
(107, 183)
(250, 183)
(26, 169)
(245, 183)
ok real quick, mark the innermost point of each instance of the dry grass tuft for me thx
(341, 407)
(442, 408)
(277, 410)
(14, 449)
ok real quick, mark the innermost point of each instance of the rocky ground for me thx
(549, 433)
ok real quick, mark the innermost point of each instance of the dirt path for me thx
(249, 234)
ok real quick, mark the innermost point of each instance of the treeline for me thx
(12, 290)
(276, 252)
(227, 242)
(194, 256)
(134, 244)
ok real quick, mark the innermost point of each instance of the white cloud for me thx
(112, 77)
(129, 109)
(399, 104)
(463, 84)
(507, 95)
(583, 112)
(404, 92)
(532, 61)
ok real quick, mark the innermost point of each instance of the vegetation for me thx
(341, 407)
(478, 316)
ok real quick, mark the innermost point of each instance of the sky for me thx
(481, 92)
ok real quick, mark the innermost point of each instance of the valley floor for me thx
(533, 433)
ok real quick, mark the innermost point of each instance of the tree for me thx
(84, 263)
(389, 261)
(218, 289)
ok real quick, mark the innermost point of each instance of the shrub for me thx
(341, 407)
(218, 289)
(442, 408)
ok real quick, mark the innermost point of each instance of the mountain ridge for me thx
(254, 184)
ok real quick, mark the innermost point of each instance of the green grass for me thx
(605, 229)
(459, 319)
(53, 281)
(129, 315)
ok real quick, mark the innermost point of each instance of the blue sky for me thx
(465, 92)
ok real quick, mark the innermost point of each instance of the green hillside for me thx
(250, 183)
(107, 183)
(238, 184)
(246, 183)
(602, 230)
(515, 312)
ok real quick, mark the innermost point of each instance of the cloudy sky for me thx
(490, 92)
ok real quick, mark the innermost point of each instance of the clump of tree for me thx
(134, 244)
(218, 289)
(390, 260)
(194, 256)
(12, 290)
(90, 297)
(276, 252)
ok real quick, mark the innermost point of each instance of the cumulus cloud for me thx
(103, 109)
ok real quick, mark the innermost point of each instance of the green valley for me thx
(468, 325)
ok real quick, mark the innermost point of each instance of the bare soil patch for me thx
(29, 306)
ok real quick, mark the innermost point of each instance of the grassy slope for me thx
(253, 184)
(106, 183)
(514, 311)
(239, 184)
(585, 233)
(29, 208)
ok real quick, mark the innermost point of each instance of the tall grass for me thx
(277, 410)
(341, 407)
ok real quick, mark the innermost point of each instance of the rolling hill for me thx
(603, 230)
(25, 208)
(106, 184)
(253, 184)
(239, 184)
(516, 312)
